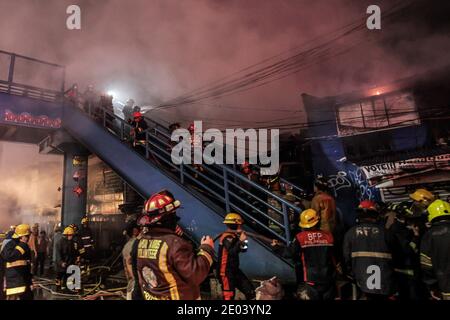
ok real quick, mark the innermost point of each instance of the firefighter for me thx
(422, 198)
(313, 254)
(231, 243)
(132, 231)
(77, 243)
(128, 111)
(403, 237)
(274, 186)
(138, 128)
(33, 244)
(72, 94)
(8, 238)
(165, 265)
(434, 251)
(67, 256)
(18, 276)
(325, 204)
(294, 216)
(86, 239)
(367, 256)
(196, 142)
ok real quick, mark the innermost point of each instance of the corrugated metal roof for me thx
(404, 155)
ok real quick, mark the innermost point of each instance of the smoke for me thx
(154, 50)
(28, 188)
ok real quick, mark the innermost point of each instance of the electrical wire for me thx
(289, 64)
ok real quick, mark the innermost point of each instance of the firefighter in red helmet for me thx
(196, 142)
(165, 265)
(367, 254)
(138, 128)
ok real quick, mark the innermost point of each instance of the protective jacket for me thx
(18, 275)
(231, 277)
(435, 257)
(138, 130)
(67, 254)
(86, 240)
(312, 250)
(405, 248)
(368, 258)
(325, 204)
(166, 266)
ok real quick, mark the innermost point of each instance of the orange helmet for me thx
(137, 114)
(157, 206)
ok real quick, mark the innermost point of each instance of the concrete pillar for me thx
(75, 175)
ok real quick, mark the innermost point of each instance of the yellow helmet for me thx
(68, 231)
(422, 195)
(437, 209)
(309, 218)
(233, 218)
(22, 230)
(84, 220)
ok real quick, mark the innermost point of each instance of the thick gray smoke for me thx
(154, 50)
(29, 185)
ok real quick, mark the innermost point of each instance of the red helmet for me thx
(191, 127)
(368, 205)
(137, 115)
(245, 164)
(157, 206)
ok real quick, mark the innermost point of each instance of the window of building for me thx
(376, 113)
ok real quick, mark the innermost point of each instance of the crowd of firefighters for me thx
(24, 252)
(396, 252)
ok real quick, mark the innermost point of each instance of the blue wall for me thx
(35, 108)
(350, 185)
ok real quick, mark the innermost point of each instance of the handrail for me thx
(30, 91)
(32, 59)
(229, 181)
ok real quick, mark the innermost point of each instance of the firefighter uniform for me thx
(367, 256)
(434, 250)
(86, 241)
(312, 251)
(165, 265)
(17, 255)
(67, 256)
(138, 128)
(168, 268)
(230, 275)
(404, 245)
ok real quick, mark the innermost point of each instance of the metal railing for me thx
(264, 211)
(13, 86)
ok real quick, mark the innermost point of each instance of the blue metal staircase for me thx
(205, 196)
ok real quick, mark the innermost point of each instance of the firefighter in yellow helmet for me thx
(18, 274)
(231, 243)
(67, 256)
(434, 251)
(164, 264)
(86, 241)
(312, 252)
(422, 198)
